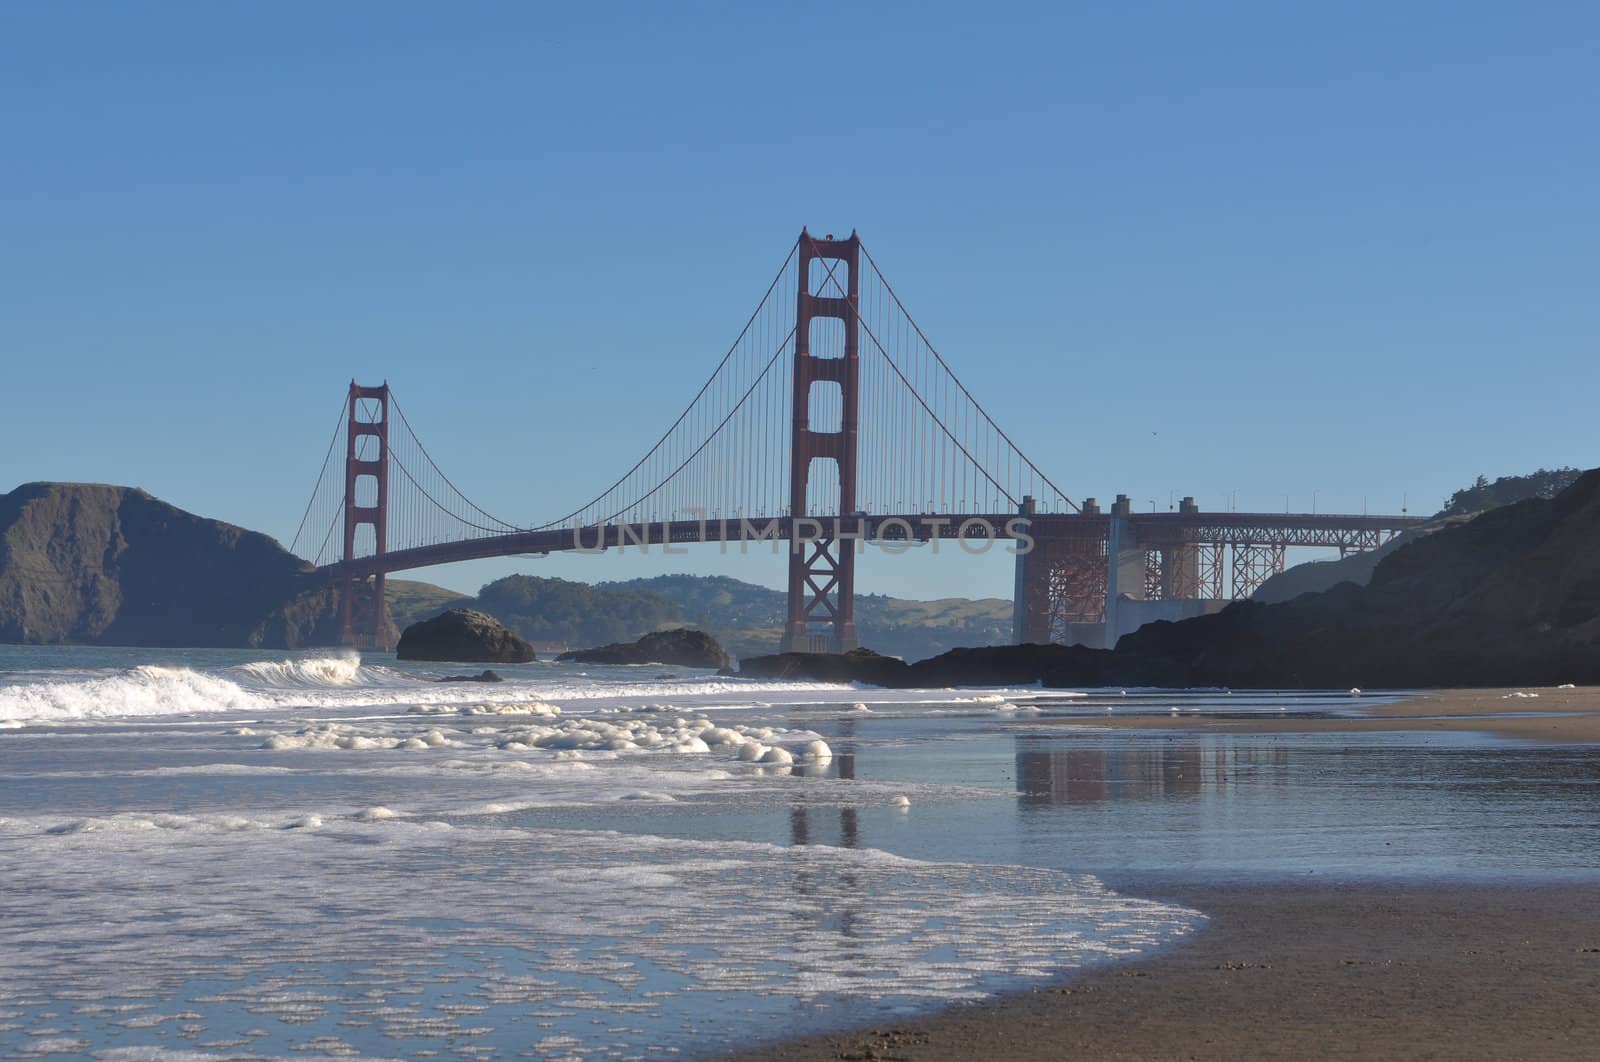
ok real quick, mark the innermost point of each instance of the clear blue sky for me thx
(1265, 248)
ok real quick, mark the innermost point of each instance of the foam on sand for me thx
(818, 751)
(619, 927)
(283, 857)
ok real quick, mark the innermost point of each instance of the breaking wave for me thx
(307, 672)
(139, 691)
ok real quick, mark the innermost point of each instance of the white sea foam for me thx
(353, 738)
(211, 768)
(344, 683)
(611, 907)
(146, 690)
(345, 807)
(307, 672)
(680, 735)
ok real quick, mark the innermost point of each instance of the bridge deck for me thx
(1153, 529)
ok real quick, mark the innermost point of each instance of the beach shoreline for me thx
(1561, 715)
(1450, 968)
(1421, 970)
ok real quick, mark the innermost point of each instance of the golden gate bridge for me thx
(831, 422)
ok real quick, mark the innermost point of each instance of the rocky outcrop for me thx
(463, 635)
(483, 676)
(995, 665)
(1509, 598)
(1314, 577)
(684, 647)
(94, 564)
(1020, 665)
(858, 665)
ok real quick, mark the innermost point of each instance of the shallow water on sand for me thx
(233, 852)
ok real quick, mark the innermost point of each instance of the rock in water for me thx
(857, 665)
(684, 647)
(463, 635)
(487, 676)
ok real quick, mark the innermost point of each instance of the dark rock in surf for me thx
(858, 665)
(463, 635)
(684, 647)
(995, 665)
(1020, 665)
(486, 676)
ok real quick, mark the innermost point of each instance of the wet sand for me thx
(1292, 971)
(1554, 715)
(1312, 970)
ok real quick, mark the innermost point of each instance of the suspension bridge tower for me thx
(366, 506)
(822, 564)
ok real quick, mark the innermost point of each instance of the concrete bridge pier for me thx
(1094, 577)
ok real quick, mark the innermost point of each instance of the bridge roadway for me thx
(1150, 529)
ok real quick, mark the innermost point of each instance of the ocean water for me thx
(233, 853)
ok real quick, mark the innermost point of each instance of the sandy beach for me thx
(1312, 969)
(1294, 971)
(1552, 714)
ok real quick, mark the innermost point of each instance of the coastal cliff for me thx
(84, 563)
(1510, 598)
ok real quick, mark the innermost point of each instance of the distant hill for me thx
(95, 564)
(87, 563)
(713, 601)
(749, 619)
(410, 601)
(562, 611)
(574, 613)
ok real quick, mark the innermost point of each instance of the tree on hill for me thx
(1544, 483)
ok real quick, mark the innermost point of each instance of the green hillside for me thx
(410, 601)
(747, 619)
(1482, 494)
